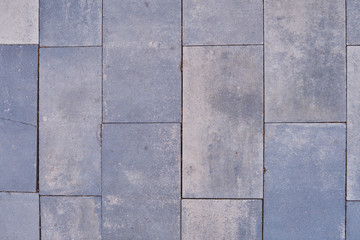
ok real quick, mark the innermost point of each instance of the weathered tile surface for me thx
(353, 18)
(221, 219)
(70, 117)
(141, 181)
(70, 23)
(223, 22)
(18, 80)
(352, 220)
(223, 122)
(19, 22)
(19, 218)
(305, 60)
(64, 218)
(304, 181)
(142, 53)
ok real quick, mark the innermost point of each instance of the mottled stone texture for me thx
(142, 53)
(64, 218)
(70, 23)
(223, 22)
(19, 22)
(223, 122)
(19, 218)
(141, 181)
(304, 182)
(221, 219)
(353, 221)
(305, 60)
(353, 19)
(70, 117)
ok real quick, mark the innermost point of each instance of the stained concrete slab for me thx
(352, 220)
(304, 181)
(64, 218)
(305, 61)
(223, 122)
(70, 118)
(142, 54)
(141, 181)
(221, 219)
(353, 18)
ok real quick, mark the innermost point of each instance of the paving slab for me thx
(19, 218)
(142, 54)
(70, 118)
(141, 181)
(304, 181)
(223, 122)
(223, 22)
(353, 18)
(70, 23)
(352, 220)
(64, 218)
(305, 61)
(221, 219)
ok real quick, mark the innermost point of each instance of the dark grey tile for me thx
(142, 53)
(70, 23)
(64, 218)
(305, 60)
(352, 220)
(353, 18)
(223, 122)
(223, 22)
(141, 181)
(19, 218)
(221, 219)
(304, 182)
(70, 118)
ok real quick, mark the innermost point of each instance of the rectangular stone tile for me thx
(223, 122)
(142, 54)
(304, 181)
(70, 118)
(222, 219)
(70, 23)
(353, 18)
(223, 22)
(19, 218)
(141, 181)
(19, 21)
(305, 60)
(64, 218)
(352, 220)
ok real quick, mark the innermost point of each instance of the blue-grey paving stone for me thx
(305, 60)
(304, 181)
(142, 53)
(141, 181)
(70, 118)
(19, 218)
(18, 80)
(221, 219)
(352, 221)
(64, 218)
(19, 21)
(223, 22)
(223, 122)
(70, 23)
(18, 156)
(353, 18)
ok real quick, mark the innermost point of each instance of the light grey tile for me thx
(352, 220)
(223, 122)
(304, 181)
(70, 118)
(353, 18)
(305, 60)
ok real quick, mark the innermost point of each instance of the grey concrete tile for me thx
(353, 18)
(221, 219)
(304, 181)
(305, 60)
(70, 118)
(70, 23)
(223, 22)
(18, 156)
(18, 79)
(352, 220)
(223, 122)
(19, 21)
(142, 54)
(19, 218)
(64, 218)
(141, 181)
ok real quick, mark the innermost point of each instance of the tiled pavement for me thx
(179, 119)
